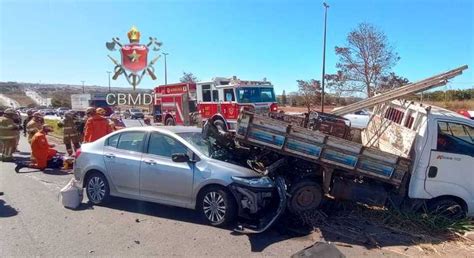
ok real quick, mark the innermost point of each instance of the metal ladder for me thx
(426, 84)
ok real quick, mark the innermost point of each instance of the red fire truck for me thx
(220, 99)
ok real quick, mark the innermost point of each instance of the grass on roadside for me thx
(57, 131)
(357, 222)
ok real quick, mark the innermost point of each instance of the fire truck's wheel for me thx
(169, 121)
(220, 125)
(305, 195)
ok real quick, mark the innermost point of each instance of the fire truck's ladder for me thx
(426, 84)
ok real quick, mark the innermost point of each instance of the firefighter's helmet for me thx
(69, 113)
(38, 115)
(101, 111)
(90, 110)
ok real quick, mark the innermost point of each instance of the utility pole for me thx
(166, 69)
(83, 89)
(109, 72)
(326, 6)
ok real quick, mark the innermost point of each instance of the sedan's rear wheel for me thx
(217, 206)
(97, 188)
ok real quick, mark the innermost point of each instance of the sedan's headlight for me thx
(264, 182)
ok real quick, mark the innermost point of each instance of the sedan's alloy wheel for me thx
(96, 189)
(214, 207)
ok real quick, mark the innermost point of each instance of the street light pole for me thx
(109, 79)
(326, 6)
(83, 89)
(166, 69)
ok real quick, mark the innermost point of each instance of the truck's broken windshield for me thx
(255, 95)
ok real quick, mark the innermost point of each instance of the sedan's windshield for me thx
(196, 140)
(255, 95)
(134, 110)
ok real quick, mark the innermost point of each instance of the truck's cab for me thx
(440, 144)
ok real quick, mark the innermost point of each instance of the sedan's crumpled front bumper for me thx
(253, 201)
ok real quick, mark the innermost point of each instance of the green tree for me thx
(365, 59)
(188, 77)
(310, 92)
(391, 81)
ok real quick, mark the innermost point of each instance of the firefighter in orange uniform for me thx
(96, 126)
(41, 150)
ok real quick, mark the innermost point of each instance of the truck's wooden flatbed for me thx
(320, 148)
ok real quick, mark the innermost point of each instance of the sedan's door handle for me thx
(109, 155)
(150, 162)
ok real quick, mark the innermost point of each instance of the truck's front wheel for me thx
(305, 195)
(448, 208)
(169, 121)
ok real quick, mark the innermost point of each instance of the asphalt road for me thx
(33, 222)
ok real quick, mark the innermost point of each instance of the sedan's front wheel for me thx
(217, 206)
(97, 188)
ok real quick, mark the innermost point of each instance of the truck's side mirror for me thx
(180, 157)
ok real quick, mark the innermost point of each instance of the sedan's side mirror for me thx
(180, 157)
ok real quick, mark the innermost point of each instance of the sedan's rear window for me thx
(112, 140)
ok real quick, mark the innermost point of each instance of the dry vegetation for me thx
(407, 234)
(21, 98)
(454, 105)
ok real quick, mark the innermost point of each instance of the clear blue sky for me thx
(64, 41)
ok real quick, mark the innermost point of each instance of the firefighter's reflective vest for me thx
(33, 127)
(69, 130)
(8, 129)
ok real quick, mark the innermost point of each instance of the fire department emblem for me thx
(134, 57)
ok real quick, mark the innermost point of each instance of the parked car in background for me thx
(168, 165)
(358, 119)
(60, 111)
(134, 113)
(48, 112)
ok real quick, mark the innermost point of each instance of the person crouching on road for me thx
(41, 150)
(96, 126)
(8, 134)
(70, 133)
(35, 125)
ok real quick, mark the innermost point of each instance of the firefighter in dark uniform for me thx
(70, 133)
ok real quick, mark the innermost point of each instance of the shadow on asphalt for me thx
(258, 242)
(154, 209)
(6, 210)
(48, 171)
(350, 230)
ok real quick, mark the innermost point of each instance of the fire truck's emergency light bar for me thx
(235, 81)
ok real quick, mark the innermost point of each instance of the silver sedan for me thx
(167, 165)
